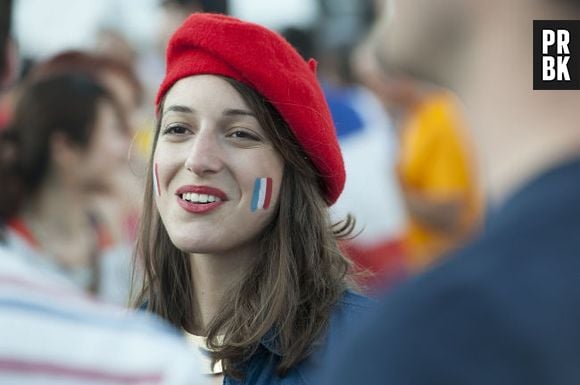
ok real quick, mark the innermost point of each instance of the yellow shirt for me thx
(436, 161)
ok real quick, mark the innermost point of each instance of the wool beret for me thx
(260, 58)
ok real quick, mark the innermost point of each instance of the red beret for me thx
(223, 45)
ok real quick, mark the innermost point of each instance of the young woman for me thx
(236, 240)
(64, 142)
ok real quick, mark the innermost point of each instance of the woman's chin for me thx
(192, 246)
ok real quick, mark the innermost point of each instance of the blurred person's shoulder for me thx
(513, 290)
(346, 317)
(345, 320)
(420, 324)
(353, 303)
(49, 327)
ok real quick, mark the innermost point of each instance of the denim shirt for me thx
(260, 369)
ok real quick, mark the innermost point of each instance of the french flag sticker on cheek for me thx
(262, 194)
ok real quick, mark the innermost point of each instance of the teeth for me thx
(200, 198)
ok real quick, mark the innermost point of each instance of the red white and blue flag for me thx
(262, 194)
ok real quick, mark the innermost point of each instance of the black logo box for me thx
(573, 27)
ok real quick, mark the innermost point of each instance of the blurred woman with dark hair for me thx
(119, 209)
(65, 140)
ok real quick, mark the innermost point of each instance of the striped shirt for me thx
(114, 262)
(52, 333)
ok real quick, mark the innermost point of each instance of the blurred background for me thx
(411, 181)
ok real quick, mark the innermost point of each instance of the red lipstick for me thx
(199, 207)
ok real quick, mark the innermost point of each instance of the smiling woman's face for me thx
(217, 175)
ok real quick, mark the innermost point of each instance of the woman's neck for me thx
(58, 206)
(57, 216)
(212, 277)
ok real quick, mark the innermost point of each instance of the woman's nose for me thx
(204, 155)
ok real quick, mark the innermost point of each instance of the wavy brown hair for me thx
(296, 279)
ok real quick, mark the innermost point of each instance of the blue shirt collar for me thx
(270, 342)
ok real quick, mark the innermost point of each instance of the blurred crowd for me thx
(412, 184)
(76, 130)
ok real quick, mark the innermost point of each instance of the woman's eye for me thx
(175, 129)
(241, 134)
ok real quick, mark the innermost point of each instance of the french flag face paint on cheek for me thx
(156, 181)
(262, 194)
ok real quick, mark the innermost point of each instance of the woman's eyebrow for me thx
(238, 112)
(179, 108)
(228, 112)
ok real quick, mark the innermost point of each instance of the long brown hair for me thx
(288, 293)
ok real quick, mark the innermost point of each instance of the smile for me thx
(200, 199)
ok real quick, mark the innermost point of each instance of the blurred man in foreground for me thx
(52, 333)
(505, 309)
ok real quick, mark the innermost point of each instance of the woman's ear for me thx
(63, 153)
